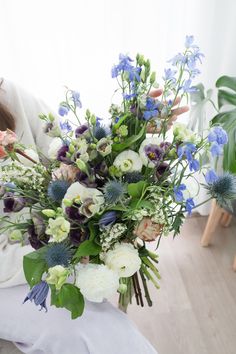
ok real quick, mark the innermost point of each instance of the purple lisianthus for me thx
(161, 169)
(211, 177)
(74, 214)
(36, 231)
(178, 192)
(77, 236)
(81, 131)
(154, 152)
(12, 203)
(189, 205)
(62, 154)
(39, 294)
(165, 146)
(107, 219)
(63, 110)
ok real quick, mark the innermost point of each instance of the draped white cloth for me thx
(102, 329)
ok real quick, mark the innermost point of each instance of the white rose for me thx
(31, 153)
(96, 281)
(54, 147)
(153, 141)
(124, 259)
(128, 161)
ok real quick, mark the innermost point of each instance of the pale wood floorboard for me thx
(194, 312)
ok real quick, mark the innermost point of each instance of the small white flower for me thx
(58, 229)
(54, 147)
(182, 133)
(82, 146)
(128, 161)
(154, 141)
(124, 259)
(96, 281)
(31, 153)
(104, 146)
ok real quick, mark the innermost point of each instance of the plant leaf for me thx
(88, 248)
(34, 266)
(128, 142)
(135, 190)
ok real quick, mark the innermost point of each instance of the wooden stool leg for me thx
(226, 219)
(234, 264)
(212, 222)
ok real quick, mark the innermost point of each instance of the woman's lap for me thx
(101, 330)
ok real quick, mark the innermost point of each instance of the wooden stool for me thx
(217, 215)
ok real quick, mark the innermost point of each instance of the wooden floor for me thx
(195, 309)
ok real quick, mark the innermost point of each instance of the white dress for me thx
(102, 329)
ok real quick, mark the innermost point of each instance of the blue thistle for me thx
(57, 190)
(113, 191)
(100, 132)
(133, 177)
(223, 189)
(58, 254)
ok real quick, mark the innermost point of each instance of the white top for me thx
(25, 108)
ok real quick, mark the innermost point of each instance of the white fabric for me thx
(102, 329)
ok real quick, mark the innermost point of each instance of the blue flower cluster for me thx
(65, 107)
(151, 109)
(218, 138)
(126, 66)
(179, 197)
(187, 150)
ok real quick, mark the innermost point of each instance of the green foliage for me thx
(129, 141)
(88, 248)
(68, 297)
(34, 266)
(136, 190)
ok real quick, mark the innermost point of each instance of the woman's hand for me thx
(175, 112)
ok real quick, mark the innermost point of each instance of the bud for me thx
(16, 235)
(122, 288)
(81, 165)
(152, 78)
(71, 148)
(67, 202)
(50, 213)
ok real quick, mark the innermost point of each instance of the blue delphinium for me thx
(169, 75)
(38, 294)
(187, 150)
(218, 138)
(107, 219)
(211, 177)
(75, 96)
(125, 65)
(187, 88)
(178, 192)
(65, 126)
(58, 254)
(189, 205)
(151, 109)
(63, 110)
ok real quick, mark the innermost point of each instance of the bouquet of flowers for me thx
(106, 190)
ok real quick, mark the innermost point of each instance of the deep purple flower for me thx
(189, 205)
(13, 203)
(107, 219)
(81, 131)
(77, 236)
(75, 96)
(74, 214)
(87, 181)
(36, 231)
(39, 294)
(153, 152)
(178, 192)
(62, 154)
(63, 110)
(161, 169)
(211, 177)
(165, 146)
(218, 135)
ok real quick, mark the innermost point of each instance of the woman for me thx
(102, 329)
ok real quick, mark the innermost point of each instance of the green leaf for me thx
(34, 266)
(136, 190)
(88, 248)
(70, 298)
(120, 121)
(92, 231)
(227, 81)
(128, 142)
(226, 97)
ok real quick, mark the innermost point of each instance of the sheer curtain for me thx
(46, 44)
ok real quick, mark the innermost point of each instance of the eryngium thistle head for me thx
(223, 190)
(100, 132)
(57, 190)
(113, 191)
(133, 177)
(58, 254)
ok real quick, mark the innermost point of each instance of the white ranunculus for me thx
(54, 147)
(32, 154)
(96, 281)
(128, 161)
(124, 259)
(154, 141)
(81, 193)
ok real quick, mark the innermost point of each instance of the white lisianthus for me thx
(58, 229)
(96, 281)
(57, 276)
(82, 146)
(153, 141)
(54, 147)
(32, 154)
(92, 197)
(182, 133)
(128, 161)
(104, 146)
(123, 259)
